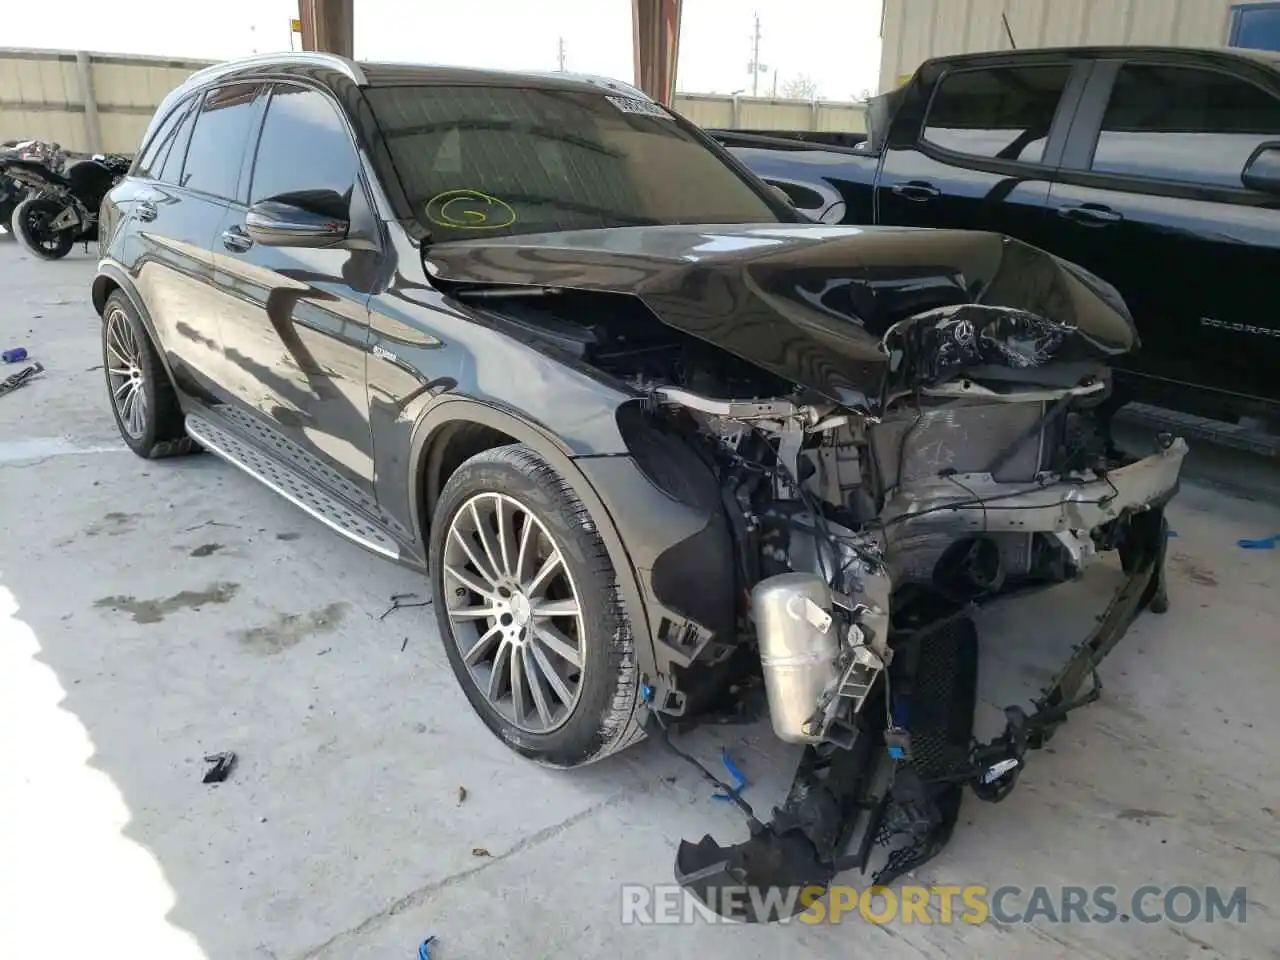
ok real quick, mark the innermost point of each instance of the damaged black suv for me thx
(658, 441)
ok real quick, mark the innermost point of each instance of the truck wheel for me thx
(142, 399)
(528, 606)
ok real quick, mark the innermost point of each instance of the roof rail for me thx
(348, 68)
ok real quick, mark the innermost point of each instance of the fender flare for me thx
(458, 410)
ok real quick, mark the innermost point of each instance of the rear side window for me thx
(153, 156)
(305, 147)
(218, 140)
(1002, 113)
(171, 169)
(1183, 124)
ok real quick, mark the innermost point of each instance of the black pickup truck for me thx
(1158, 169)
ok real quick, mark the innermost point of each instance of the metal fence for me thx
(97, 102)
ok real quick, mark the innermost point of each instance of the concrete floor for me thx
(151, 613)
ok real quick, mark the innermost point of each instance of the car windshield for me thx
(479, 160)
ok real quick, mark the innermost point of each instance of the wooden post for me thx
(328, 25)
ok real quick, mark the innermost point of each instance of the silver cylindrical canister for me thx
(799, 646)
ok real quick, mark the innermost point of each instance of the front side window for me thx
(476, 161)
(1001, 113)
(1183, 124)
(305, 150)
(218, 141)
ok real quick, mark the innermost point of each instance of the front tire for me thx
(528, 606)
(142, 399)
(27, 225)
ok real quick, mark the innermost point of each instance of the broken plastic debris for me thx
(462, 795)
(222, 765)
(423, 952)
(480, 852)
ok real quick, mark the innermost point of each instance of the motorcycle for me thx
(61, 208)
(11, 191)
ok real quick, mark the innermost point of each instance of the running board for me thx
(291, 485)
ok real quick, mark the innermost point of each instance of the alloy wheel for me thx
(124, 374)
(515, 612)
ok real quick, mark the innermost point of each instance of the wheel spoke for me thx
(548, 567)
(502, 537)
(534, 674)
(552, 676)
(467, 581)
(125, 385)
(473, 613)
(116, 353)
(557, 643)
(481, 646)
(482, 532)
(501, 665)
(518, 682)
(556, 608)
(523, 548)
(486, 572)
(118, 371)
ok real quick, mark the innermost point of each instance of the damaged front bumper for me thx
(977, 502)
(889, 803)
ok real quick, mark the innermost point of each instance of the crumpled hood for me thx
(807, 302)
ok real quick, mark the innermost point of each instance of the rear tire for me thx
(26, 226)
(587, 643)
(142, 398)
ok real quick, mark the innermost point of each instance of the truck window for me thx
(1183, 124)
(1000, 113)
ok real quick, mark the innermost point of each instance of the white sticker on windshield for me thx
(643, 107)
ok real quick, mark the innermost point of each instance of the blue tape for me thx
(423, 952)
(740, 781)
(1265, 543)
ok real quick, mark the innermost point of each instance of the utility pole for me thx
(755, 59)
(561, 55)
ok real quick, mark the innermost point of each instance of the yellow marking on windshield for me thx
(469, 210)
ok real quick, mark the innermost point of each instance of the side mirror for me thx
(1262, 172)
(285, 221)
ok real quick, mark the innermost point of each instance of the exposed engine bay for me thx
(872, 502)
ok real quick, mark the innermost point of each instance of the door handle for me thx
(235, 239)
(1091, 214)
(919, 191)
(147, 211)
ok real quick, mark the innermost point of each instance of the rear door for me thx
(295, 320)
(178, 203)
(1150, 198)
(974, 146)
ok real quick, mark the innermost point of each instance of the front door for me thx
(1151, 199)
(294, 320)
(980, 154)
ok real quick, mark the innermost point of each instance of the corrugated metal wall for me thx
(745, 113)
(88, 102)
(42, 97)
(915, 30)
